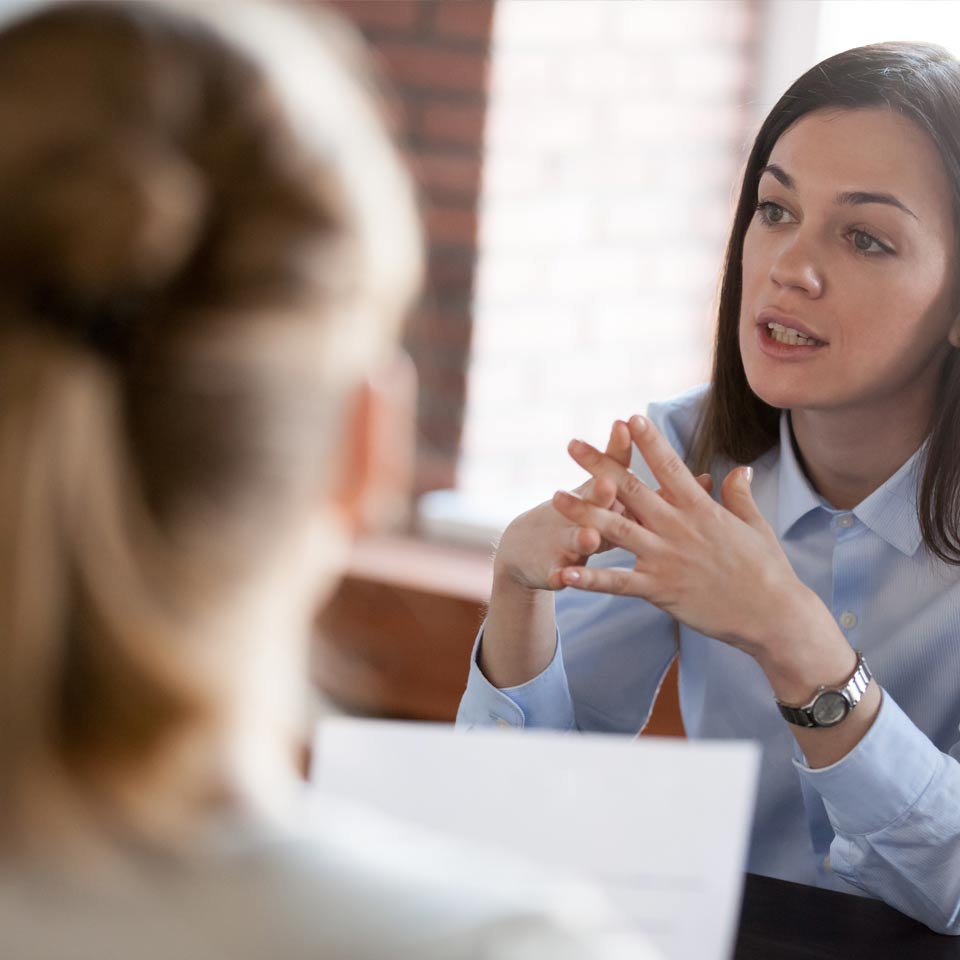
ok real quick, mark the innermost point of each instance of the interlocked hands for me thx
(718, 568)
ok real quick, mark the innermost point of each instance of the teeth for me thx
(788, 335)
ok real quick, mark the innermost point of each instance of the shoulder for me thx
(343, 883)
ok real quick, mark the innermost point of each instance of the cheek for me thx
(753, 270)
(903, 309)
(929, 293)
(753, 262)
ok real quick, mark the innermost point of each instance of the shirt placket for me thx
(846, 605)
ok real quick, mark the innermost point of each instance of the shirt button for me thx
(845, 521)
(848, 620)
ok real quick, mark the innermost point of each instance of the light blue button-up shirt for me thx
(885, 818)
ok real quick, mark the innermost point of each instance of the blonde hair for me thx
(206, 239)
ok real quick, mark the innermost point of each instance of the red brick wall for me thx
(435, 55)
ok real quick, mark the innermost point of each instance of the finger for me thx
(620, 446)
(677, 483)
(643, 503)
(705, 481)
(602, 492)
(601, 489)
(584, 541)
(555, 579)
(616, 580)
(612, 527)
(619, 449)
(737, 497)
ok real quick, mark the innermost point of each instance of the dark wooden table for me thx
(789, 921)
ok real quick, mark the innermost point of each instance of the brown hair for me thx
(201, 250)
(922, 83)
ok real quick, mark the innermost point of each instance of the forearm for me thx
(891, 795)
(520, 633)
(894, 804)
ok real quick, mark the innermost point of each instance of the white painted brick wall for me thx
(615, 135)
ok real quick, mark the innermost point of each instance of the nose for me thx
(795, 268)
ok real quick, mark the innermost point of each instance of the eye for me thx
(771, 213)
(867, 243)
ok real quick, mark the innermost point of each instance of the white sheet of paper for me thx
(661, 824)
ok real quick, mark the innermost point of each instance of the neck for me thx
(849, 454)
(101, 823)
(243, 760)
(246, 760)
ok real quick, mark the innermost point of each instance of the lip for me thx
(770, 315)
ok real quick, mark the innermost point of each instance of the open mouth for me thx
(792, 338)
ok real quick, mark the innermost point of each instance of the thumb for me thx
(737, 497)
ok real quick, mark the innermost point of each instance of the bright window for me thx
(613, 141)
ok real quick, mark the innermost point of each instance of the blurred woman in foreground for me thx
(207, 245)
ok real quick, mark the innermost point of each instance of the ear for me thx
(372, 486)
(953, 334)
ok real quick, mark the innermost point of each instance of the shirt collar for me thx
(796, 497)
(890, 511)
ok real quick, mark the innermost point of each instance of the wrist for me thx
(519, 635)
(507, 575)
(832, 703)
(806, 651)
(510, 575)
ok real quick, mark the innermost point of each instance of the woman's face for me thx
(848, 266)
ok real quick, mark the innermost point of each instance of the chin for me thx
(776, 384)
(774, 392)
(785, 397)
(779, 400)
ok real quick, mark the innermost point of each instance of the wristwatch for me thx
(830, 704)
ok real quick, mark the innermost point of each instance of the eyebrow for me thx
(849, 198)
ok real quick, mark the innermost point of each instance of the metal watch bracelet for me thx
(830, 705)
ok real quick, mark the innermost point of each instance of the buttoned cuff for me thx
(881, 778)
(543, 701)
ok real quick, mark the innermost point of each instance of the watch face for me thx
(830, 708)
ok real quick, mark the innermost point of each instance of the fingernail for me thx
(575, 445)
(638, 423)
(748, 473)
(571, 576)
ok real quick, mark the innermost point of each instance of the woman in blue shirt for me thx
(831, 582)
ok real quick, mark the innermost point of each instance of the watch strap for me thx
(852, 691)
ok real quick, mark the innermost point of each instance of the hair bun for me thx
(100, 223)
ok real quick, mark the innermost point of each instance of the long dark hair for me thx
(921, 82)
